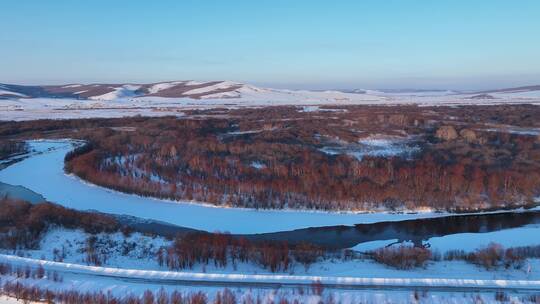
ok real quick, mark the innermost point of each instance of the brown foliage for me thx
(271, 157)
(402, 257)
(22, 224)
(495, 255)
(203, 248)
(26, 293)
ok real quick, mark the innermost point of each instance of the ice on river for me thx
(44, 174)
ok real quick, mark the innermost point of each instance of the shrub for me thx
(494, 256)
(402, 257)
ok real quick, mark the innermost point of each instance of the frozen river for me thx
(43, 173)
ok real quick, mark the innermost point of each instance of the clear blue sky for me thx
(297, 44)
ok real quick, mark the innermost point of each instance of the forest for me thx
(359, 158)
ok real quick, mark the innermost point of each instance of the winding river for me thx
(42, 172)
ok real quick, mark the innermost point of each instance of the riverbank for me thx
(43, 173)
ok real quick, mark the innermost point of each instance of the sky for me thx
(447, 44)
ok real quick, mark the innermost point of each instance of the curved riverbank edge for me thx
(20, 193)
(44, 173)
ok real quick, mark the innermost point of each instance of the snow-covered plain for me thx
(468, 242)
(138, 251)
(125, 101)
(12, 300)
(50, 108)
(135, 270)
(44, 174)
(514, 237)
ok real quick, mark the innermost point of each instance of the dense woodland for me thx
(463, 158)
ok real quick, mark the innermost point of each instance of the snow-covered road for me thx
(268, 280)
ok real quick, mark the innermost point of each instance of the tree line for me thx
(23, 224)
(11, 147)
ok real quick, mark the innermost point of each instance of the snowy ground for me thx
(457, 281)
(121, 102)
(43, 173)
(135, 270)
(139, 252)
(375, 146)
(133, 251)
(10, 300)
(269, 295)
(513, 237)
(48, 108)
(445, 275)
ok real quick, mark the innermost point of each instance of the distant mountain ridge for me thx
(223, 90)
(512, 90)
(172, 89)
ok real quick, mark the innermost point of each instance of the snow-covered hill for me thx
(172, 89)
(21, 102)
(235, 90)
